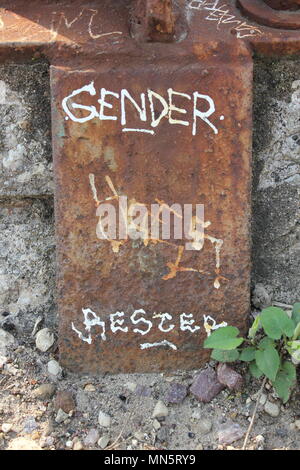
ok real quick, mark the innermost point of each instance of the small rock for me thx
(23, 443)
(143, 391)
(229, 377)
(6, 427)
(78, 445)
(156, 424)
(61, 416)
(134, 442)
(206, 386)
(204, 426)
(44, 339)
(91, 437)
(30, 425)
(104, 419)
(89, 388)
(160, 410)
(139, 435)
(6, 339)
(69, 444)
(54, 368)
(64, 400)
(131, 386)
(272, 409)
(176, 393)
(199, 447)
(162, 434)
(44, 391)
(103, 441)
(260, 297)
(230, 432)
(259, 442)
(297, 424)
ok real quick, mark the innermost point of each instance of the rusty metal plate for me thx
(147, 304)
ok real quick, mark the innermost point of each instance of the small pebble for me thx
(44, 391)
(44, 339)
(6, 427)
(89, 388)
(230, 432)
(156, 424)
(91, 437)
(103, 441)
(61, 416)
(272, 409)
(54, 368)
(176, 393)
(104, 419)
(78, 445)
(160, 410)
(64, 400)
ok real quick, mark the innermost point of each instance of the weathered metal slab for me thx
(147, 305)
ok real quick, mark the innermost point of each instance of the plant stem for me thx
(254, 413)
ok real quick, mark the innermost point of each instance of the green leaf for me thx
(255, 326)
(276, 322)
(268, 361)
(225, 356)
(296, 313)
(297, 331)
(285, 381)
(265, 342)
(223, 338)
(255, 370)
(248, 354)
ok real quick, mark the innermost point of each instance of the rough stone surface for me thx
(276, 182)
(176, 393)
(54, 368)
(25, 140)
(229, 377)
(206, 386)
(27, 269)
(6, 339)
(91, 437)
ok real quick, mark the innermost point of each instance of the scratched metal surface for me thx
(174, 166)
(211, 54)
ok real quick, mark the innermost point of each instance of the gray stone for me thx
(30, 425)
(229, 377)
(54, 368)
(206, 386)
(44, 339)
(64, 400)
(176, 393)
(103, 441)
(61, 416)
(44, 391)
(272, 409)
(160, 410)
(230, 432)
(91, 437)
(260, 297)
(104, 419)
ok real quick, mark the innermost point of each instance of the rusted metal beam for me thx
(144, 112)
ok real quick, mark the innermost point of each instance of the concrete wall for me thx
(27, 244)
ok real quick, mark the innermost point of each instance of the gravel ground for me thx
(45, 407)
